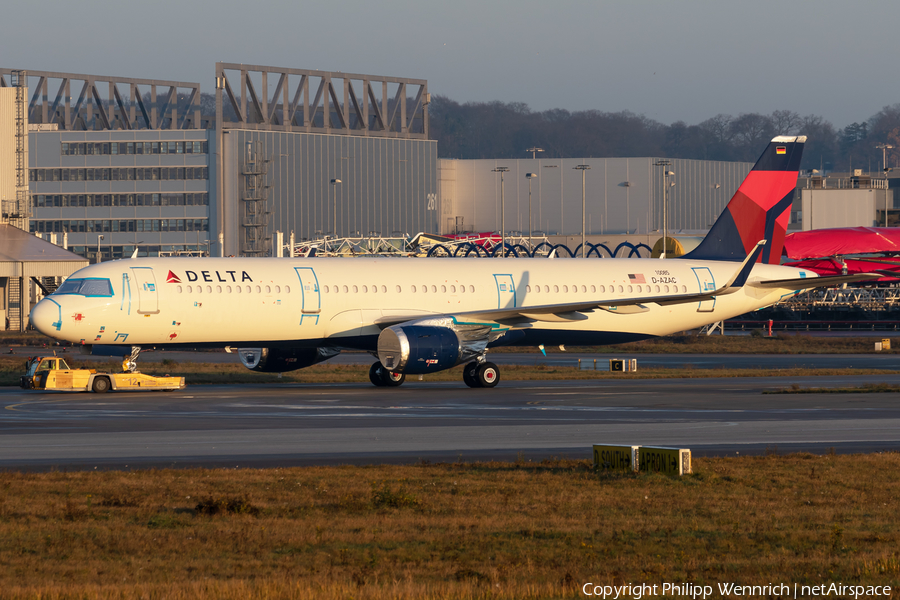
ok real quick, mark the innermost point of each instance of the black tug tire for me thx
(375, 375)
(487, 375)
(101, 385)
(469, 377)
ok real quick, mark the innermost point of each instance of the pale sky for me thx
(687, 60)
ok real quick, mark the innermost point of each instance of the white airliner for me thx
(421, 315)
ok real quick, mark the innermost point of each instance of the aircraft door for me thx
(148, 298)
(707, 284)
(506, 291)
(125, 303)
(311, 297)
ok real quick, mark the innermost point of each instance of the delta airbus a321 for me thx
(422, 315)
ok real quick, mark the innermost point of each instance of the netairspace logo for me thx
(731, 590)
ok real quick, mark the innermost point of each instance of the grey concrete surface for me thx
(288, 424)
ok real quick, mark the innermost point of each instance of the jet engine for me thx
(418, 349)
(282, 360)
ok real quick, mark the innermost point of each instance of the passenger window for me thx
(602, 289)
(365, 289)
(684, 288)
(413, 289)
(537, 289)
(277, 289)
(355, 290)
(199, 289)
(630, 289)
(621, 289)
(657, 289)
(593, 289)
(565, 289)
(228, 289)
(424, 289)
(452, 289)
(399, 289)
(666, 289)
(268, 289)
(209, 289)
(218, 289)
(237, 289)
(287, 289)
(346, 289)
(584, 288)
(556, 289)
(462, 289)
(384, 289)
(374, 289)
(434, 289)
(546, 289)
(179, 289)
(248, 289)
(443, 289)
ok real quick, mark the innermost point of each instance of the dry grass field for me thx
(435, 531)
(686, 343)
(11, 369)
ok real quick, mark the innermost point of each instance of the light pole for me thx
(529, 177)
(582, 168)
(666, 172)
(533, 149)
(502, 170)
(334, 184)
(884, 148)
(99, 239)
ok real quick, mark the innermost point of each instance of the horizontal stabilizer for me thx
(806, 283)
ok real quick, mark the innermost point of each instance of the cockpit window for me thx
(85, 287)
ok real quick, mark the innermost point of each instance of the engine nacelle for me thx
(282, 360)
(418, 349)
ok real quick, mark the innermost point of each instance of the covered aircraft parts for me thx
(278, 360)
(841, 241)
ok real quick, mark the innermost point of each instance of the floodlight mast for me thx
(502, 170)
(666, 172)
(582, 168)
(529, 177)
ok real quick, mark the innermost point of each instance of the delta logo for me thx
(207, 276)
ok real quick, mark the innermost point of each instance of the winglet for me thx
(740, 277)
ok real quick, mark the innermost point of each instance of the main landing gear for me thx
(381, 377)
(485, 374)
(475, 375)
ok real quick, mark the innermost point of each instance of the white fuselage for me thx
(339, 301)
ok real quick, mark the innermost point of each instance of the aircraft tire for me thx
(389, 379)
(469, 375)
(101, 385)
(375, 375)
(487, 375)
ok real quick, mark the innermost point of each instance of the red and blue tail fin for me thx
(760, 209)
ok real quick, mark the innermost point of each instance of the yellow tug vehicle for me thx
(52, 373)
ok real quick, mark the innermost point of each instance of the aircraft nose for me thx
(46, 317)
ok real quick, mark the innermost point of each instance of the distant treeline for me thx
(505, 130)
